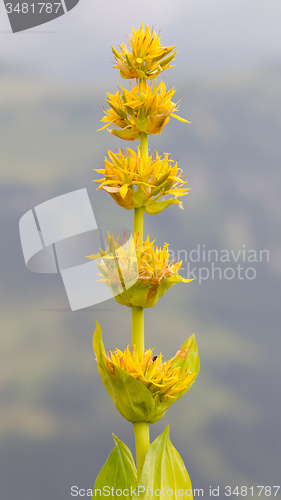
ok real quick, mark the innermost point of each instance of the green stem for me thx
(141, 430)
(138, 329)
(143, 135)
(144, 143)
(138, 224)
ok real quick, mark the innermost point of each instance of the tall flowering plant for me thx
(141, 384)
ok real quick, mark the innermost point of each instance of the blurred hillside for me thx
(55, 414)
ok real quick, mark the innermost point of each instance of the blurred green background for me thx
(56, 418)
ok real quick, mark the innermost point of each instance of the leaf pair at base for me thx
(163, 475)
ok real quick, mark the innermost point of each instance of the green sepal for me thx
(158, 206)
(131, 398)
(191, 364)
(146, 295)
(139, 198)
(168, 59)
(164, 470)
(127, 133)
(157, 190)
(165, 52)
(117, 110)
(129, 110)
(162, 179)
(117, 55)
(142, 125)
(119, 472)
(128, 60)
(141, 74)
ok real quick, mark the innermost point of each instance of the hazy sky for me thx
(210, 35)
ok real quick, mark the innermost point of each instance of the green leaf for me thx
(119, 473)
(164, 470)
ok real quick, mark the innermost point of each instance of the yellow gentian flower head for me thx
(143, 388)
(145, 57)
(134, 181)
(143, 274)
(141, 109)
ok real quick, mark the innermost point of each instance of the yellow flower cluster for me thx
(135, 113)
(141, 109)
(134, 181)
(163, 379)
(137, 275)
(144, 387)
(145, 58)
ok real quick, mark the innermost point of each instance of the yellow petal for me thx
(124, 190)
(179, 118)
(105, 126)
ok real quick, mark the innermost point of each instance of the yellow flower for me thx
(145, 58)
(142, 389)
(144, 108)
(137, 276)
(163, 379)
(134, 181)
